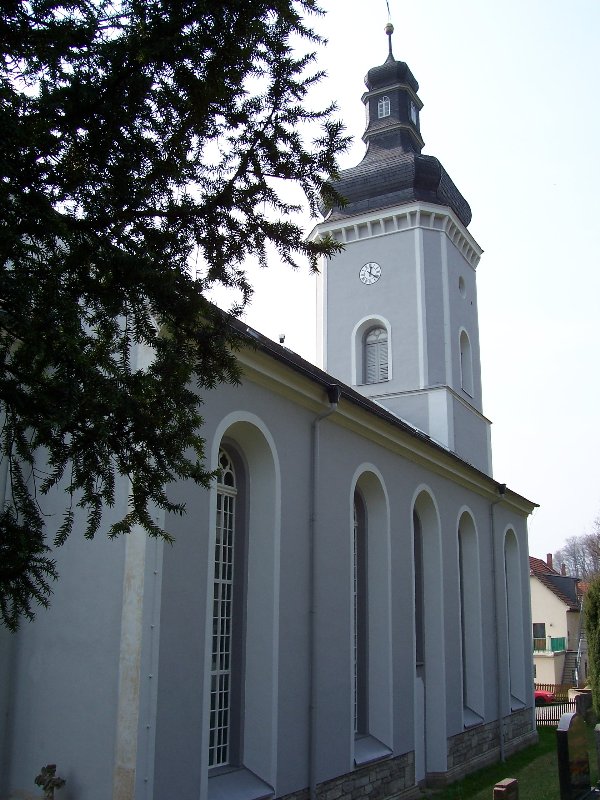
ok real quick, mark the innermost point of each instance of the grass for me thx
(535, 768)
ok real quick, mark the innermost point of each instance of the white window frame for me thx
(357, 347)
(221, 676)
(383, 107)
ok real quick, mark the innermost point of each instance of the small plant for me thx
(49, 781)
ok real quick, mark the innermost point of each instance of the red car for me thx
(542, 697)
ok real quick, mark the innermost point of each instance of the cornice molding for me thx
(393, 87)
(390, 128)
(386, 221)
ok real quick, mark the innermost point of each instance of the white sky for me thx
(510, 93)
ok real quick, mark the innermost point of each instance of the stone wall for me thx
(480, 746)
(393, 777)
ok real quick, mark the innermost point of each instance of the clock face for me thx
(370, 273)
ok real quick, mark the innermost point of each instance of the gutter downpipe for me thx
(501, 492)
(333, 395)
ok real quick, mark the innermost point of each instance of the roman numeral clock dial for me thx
(370, 273)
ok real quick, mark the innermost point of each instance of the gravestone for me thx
(573, 759)
(508, 789)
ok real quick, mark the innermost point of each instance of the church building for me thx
(345, 612)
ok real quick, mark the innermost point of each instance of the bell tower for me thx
(398, 306)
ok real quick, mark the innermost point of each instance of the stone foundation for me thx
(394, 778)
(480, 746)
(390, 778)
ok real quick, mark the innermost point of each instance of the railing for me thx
(551, 714)
(551, 644)
(560, 690)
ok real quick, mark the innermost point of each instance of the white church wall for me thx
(65, 671)
(342, 451)
(269, 419)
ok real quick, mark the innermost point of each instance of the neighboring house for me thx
(559, 647)
(348, 605)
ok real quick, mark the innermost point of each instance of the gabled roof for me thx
(562, 586)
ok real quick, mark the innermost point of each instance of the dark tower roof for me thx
(393, 170)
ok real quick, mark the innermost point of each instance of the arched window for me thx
(376, 355)
(223, 631)
(466, 364)
(418, 591)
(360, 644)
(430, 669)
(514, 614)
(383, 107)
(470, 620)
(372, 626)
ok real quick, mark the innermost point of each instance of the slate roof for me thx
(389, 73)
(394, 177)
(393, 170)
(562, 586)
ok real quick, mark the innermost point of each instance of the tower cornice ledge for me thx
(394, 87)
(386, 221)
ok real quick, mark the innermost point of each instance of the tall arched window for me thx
(383, 107)
(372, 628)
(418, 591)
(470, 620)
(466, 364)
(361, 634)
(514, 614)
(376, 355)
(430, 664)
(222, 669)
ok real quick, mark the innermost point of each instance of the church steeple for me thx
(392, 105)
(393, 169)
(399, 304)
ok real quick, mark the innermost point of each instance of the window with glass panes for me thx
(383, 107)
(221, 665)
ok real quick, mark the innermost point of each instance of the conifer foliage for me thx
(137, 136)
(591, 611)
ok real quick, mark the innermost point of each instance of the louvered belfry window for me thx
(221, 667)
(376, 355)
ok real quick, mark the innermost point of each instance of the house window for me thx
(222, 677)
(376, 355)
(383, 107)
(361, 632)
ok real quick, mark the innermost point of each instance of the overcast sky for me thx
(510, 93)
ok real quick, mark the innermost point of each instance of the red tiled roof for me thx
(538, 567)
(547, 576)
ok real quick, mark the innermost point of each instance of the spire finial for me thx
(389, 29)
